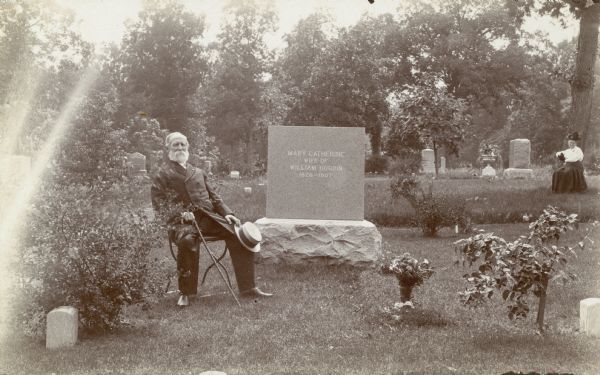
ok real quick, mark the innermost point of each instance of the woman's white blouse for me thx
(572, 154)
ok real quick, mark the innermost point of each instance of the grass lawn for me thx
(488, 202)
(330, 320)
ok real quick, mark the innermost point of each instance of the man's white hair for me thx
(172, 136)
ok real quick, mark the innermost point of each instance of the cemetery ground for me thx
(332, 320)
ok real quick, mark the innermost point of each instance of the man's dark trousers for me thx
(188, 257)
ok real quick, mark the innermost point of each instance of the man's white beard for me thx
(179, 156)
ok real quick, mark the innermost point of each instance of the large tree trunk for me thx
(582, 85)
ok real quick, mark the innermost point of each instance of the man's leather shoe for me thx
(254, 293)
(183, 301)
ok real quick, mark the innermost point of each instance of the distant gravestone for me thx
(315, 196)
(427, 161)
(589, 316)
(235, 175)
(519, 156)
(488, 171)
(61, 327)
(443, 164)
(519, 153)
(248, 190)
(207, 166)
(137, 163)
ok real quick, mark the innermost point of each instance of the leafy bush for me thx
(521, 267)
(431, 212)
(593, 165)
(405, 164)
(88, 247)
(376, 164)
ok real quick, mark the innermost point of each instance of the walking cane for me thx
(216, 263)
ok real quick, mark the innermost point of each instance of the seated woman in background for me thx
(569, 177)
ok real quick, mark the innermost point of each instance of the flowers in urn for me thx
(488, 153)
(409, 272)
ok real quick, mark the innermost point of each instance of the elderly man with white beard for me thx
(182, 193)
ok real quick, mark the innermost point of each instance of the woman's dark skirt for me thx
(569, 178)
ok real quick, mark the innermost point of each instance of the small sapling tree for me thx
(520, 268)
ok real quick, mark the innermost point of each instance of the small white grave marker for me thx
(488, 171)
(589, 316)
(248, 190)
(234, 175)
(61, 327)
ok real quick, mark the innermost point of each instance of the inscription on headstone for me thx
(315, 173)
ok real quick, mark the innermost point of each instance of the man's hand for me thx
(187, 216)
(232, 219)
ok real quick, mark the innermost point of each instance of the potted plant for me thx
(409, 272)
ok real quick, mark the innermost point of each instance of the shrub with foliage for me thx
(405, 164)
(431, 212)
(520, 268)
(376, 164)
(88, 247)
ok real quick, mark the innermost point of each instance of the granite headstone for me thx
(315, 198)
(137, 163)
(315, 173)
(443, 164)
(519, 153)
(589, 316)
(519, 159)
(428, 161)
(61, 327)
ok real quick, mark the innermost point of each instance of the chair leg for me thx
(219, 264)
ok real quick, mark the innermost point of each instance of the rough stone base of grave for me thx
(589, 316)
(61, 327)
(325, 241)
(518, 173)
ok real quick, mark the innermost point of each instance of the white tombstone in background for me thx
(427, 161)
(136, 163)
(61, 327)
(248, 190)
(443, 164)
(234, 175)
(589, 316)
(488, 171)
(207, 166)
